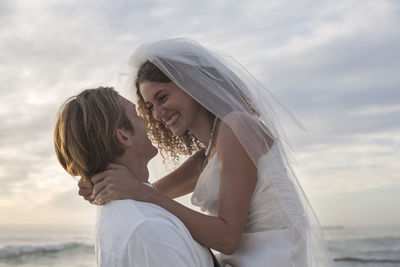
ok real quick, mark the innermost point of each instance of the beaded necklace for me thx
(211, 137)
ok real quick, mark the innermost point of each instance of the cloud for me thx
(333, 63)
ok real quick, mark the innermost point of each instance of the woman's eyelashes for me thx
(161, 99)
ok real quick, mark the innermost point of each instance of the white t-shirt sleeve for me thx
(156, 243)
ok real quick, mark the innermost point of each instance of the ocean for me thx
(364, 246)
(34, 246)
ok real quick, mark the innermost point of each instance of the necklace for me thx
(211, 137)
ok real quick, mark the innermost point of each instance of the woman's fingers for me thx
(104, 179)
(103, 198)
(85, 184)
(117, 182)
(85, 188)
(100, 176)
(99, 186)
(84, 192)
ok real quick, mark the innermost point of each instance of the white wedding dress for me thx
(281, 228)
(269, 238)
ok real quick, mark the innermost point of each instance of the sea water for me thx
(57, 245)
(47, 245)
(364, 246)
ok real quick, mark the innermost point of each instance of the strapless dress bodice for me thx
(268, 233)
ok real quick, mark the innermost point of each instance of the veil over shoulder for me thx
(227, 89)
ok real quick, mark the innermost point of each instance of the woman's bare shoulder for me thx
(244, 123)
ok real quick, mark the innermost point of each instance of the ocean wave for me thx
(367, 239)
(365, 251)
(8, 252)
(365, 260)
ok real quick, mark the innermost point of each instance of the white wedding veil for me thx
(229, 91)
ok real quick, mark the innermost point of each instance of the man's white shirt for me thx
(133, 233)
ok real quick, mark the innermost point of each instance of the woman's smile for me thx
(171, 121)
(176, 110)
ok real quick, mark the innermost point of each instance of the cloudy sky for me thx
(334, 63)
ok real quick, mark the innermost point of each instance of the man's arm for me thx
(176, 184)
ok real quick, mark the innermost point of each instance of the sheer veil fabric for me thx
(229, 91)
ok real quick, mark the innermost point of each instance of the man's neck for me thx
(138, 167)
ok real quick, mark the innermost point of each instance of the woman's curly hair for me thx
(166, 141)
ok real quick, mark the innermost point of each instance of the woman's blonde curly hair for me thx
(169, 144)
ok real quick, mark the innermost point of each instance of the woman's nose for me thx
(158, 112)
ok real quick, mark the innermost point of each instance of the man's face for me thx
(141, 142)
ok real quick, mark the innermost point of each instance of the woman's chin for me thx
(177, 131)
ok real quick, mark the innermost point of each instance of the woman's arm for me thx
(182, 180)
(178, 183)
(238, 179)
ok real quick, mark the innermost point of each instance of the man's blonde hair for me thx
(84, 134)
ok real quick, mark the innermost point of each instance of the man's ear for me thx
(123, 137)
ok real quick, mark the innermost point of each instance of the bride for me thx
(199, 103)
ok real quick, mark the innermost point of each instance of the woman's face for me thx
(170, 105)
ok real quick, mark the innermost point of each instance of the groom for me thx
(98, 127)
